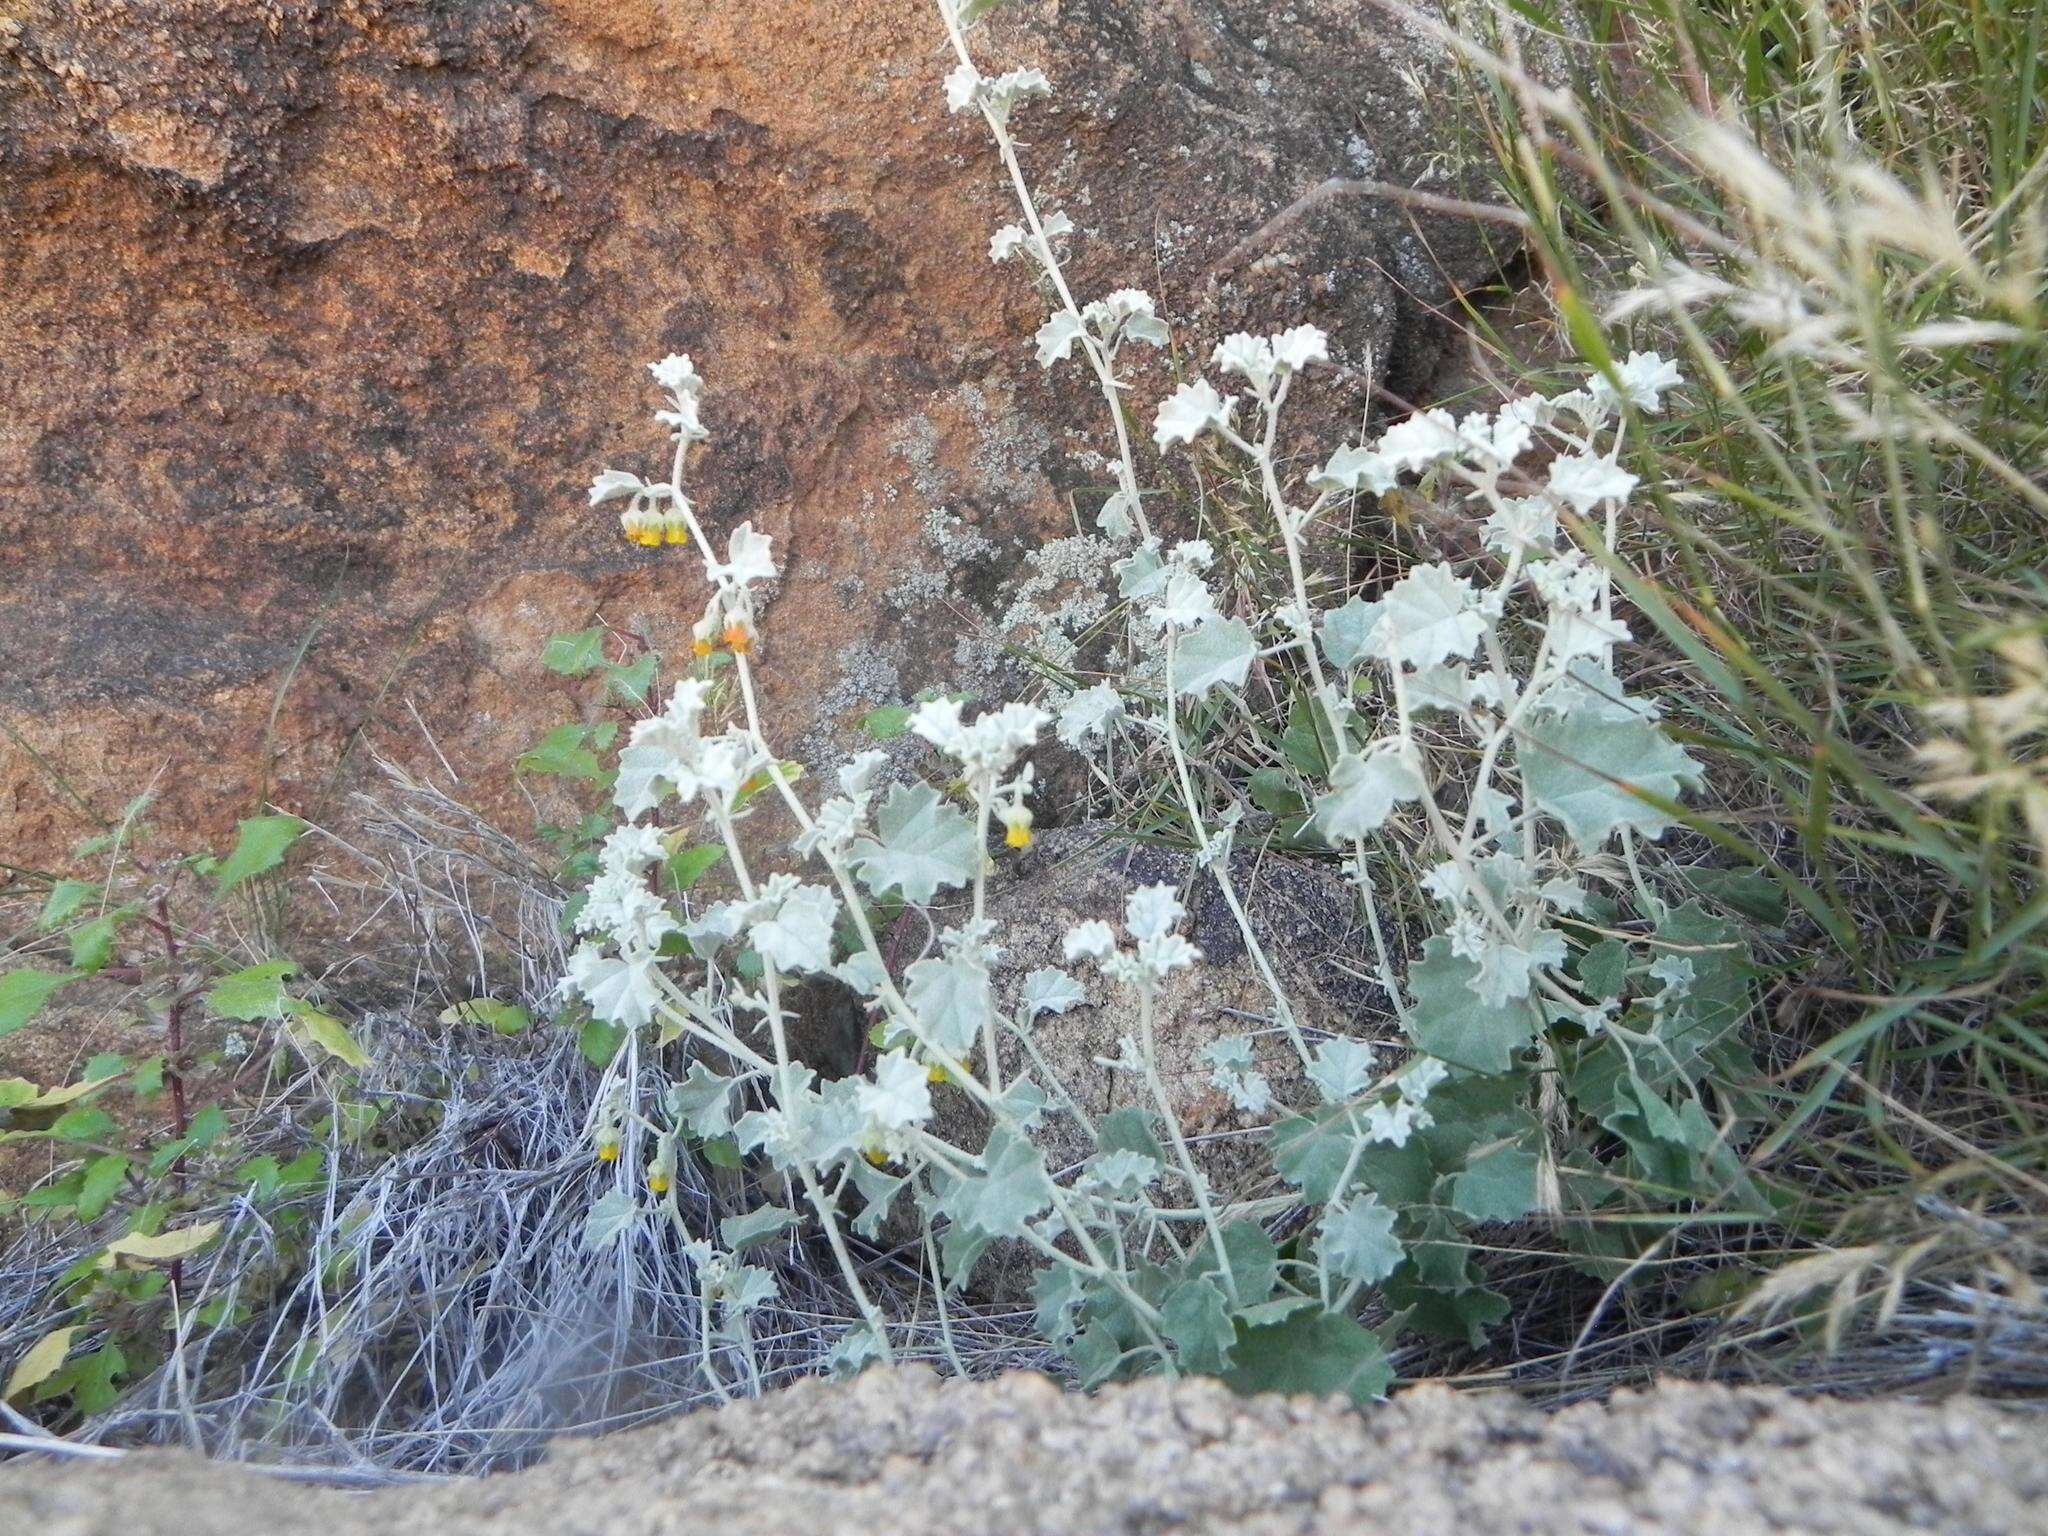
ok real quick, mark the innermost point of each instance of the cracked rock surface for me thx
(316, 319)
(902, 1451)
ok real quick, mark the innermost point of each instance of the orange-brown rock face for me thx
(316, 318)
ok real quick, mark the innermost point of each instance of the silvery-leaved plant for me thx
(1559, 1041)
(712, 976)
(1474, 719)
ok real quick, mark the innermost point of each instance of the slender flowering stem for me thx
(1098, 357)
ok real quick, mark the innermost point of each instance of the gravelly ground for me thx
(905, 1452)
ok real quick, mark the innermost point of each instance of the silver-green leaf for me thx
(1452, 1023)
(1356, 1240)
(1219, 654)
(1593, 767)
(923, 843)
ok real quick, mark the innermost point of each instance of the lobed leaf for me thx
(923, 844)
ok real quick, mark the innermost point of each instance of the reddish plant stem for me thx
(174, 1070)
(174, 1054)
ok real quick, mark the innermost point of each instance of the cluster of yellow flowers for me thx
(653, 524)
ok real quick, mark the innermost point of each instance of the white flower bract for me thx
(990, 745)
(1057, 336)
(899, 1098)
(998, 97)
(1357, 469)
(963, 84)
(1126, 313)
(1422, 440)
(1262, 360)
(1092, 939)
(1644, 377)
(747, 560)
(1582, 481)
(678, 375)
(613, 483)
(1089, 714)
(1190, 411)
(1186, 603)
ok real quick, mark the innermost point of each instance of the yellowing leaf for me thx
(20, 1093)
(137, 1249)
(499, 1018)
(327, 1032)
(254, 993)
(41, 1362)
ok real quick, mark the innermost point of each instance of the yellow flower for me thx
(1017, 826)
(701, 648)
(661, 1168)
(607, 1151)
(739, 639)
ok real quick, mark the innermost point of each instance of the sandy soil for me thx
(905, 1452)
